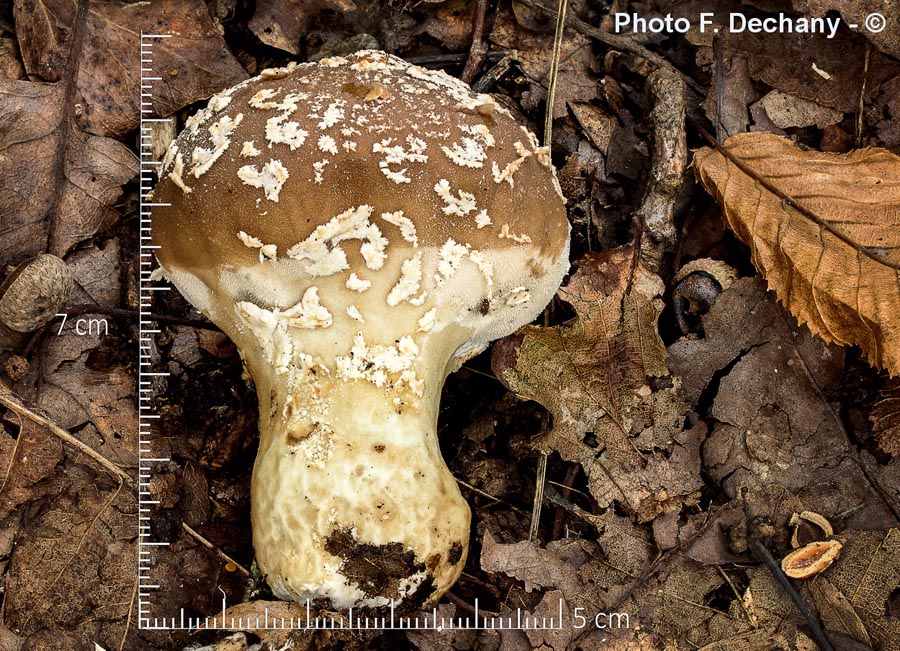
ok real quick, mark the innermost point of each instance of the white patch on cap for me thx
(354, 314)
(333, 114)
(327, 144)
(259, 100)
(219, 101)
(450, 256)
(321, 247)
(270, 178)
(278, 73)
(397, 155)
(461, 205)
(288, 133)
(177, 171)
(470, 151)
(405, 224)
(266, 251)
(308, 313)
(512, 167)
(220, 132)
(249, 150)
(482, 219)
(357, 284)
(318, 168)
(332, 62)
(408, 284)
(504, 234)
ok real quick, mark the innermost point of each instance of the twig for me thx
(762, 554)
(538, 496)
(489, 496)
(203, 541)
(750, 616)
(554, 70)
(77, 310)
(477, 49)
(862, 95)
(134, 593)
(669, 161)
(11, 401)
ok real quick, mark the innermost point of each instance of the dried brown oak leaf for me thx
(193, 63)
(772, 424)
(836, 268)
(57, 183)
(616, 410)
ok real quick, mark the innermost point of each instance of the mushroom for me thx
(359, 227)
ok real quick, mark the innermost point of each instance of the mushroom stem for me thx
(351, 499)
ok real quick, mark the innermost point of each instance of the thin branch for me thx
(218, 552)
(538, 496)
(477, 49)
(554, 70)
(12, 402)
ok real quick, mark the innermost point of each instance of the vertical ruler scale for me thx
(147, 546)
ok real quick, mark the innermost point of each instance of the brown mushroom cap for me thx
(365, 130)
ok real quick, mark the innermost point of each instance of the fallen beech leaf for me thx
(57, 183)
(840, 277)
(194, 63)
(616, 410)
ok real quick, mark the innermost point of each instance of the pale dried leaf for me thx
(840, 277)
(604, 379)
